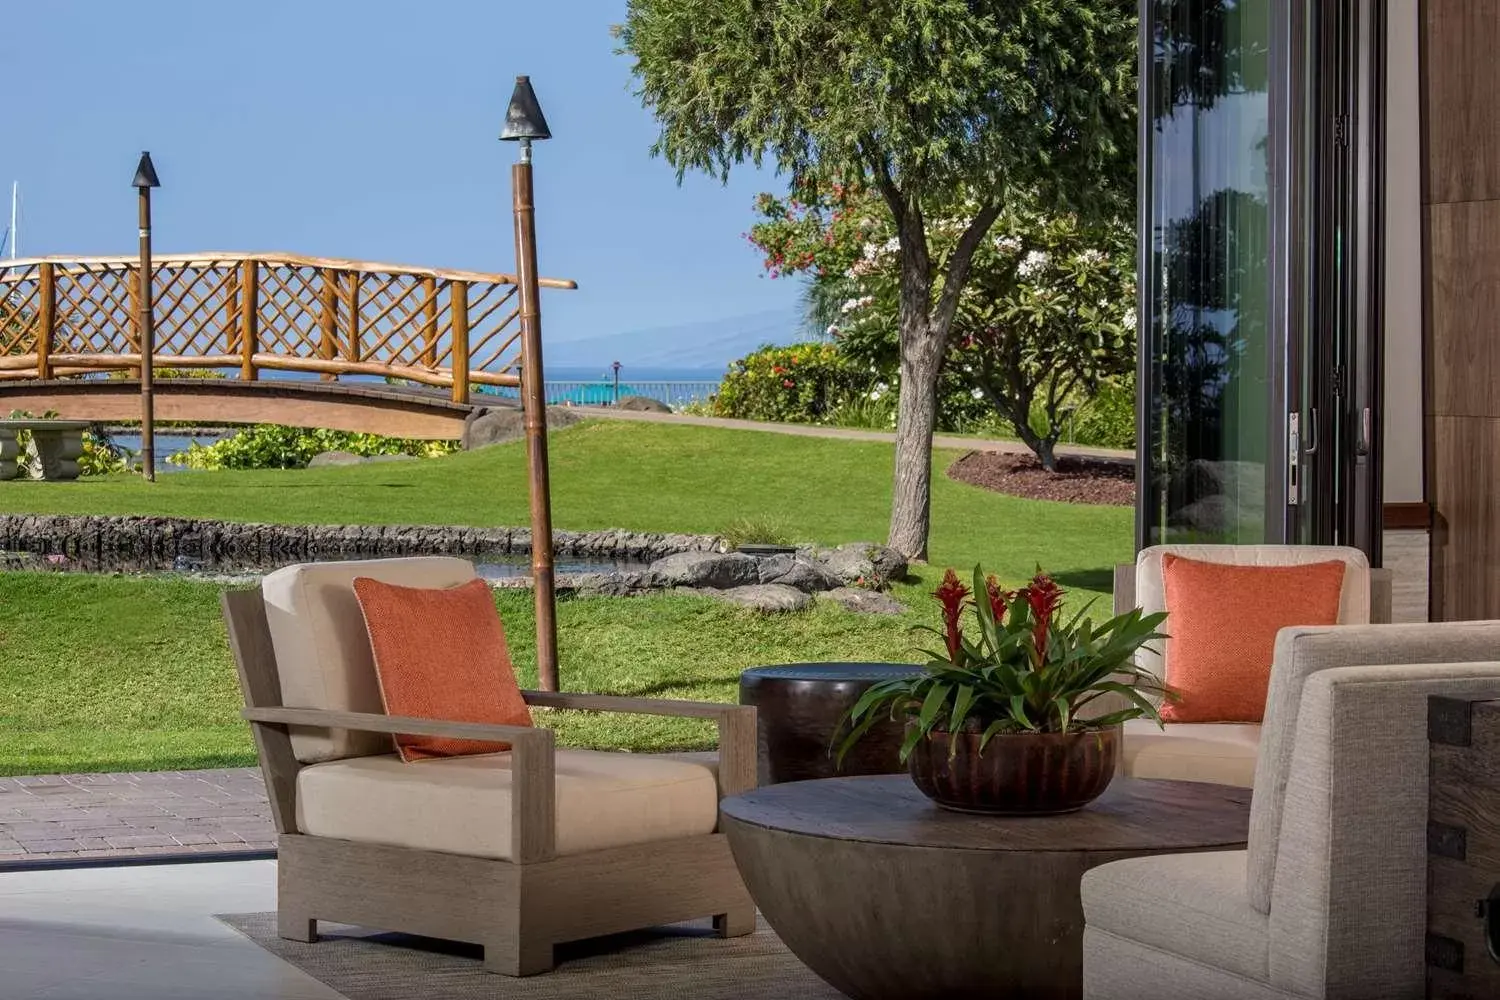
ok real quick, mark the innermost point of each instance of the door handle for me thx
(1312, 431)
(1366, 433)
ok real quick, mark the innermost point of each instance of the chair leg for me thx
(296, 927)
(518, 956)
(736, 923)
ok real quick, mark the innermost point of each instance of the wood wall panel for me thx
(1460, 72)
(1465, 518)
(1463, 325)
(1462, 114)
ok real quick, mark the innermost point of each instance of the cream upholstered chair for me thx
(515, 851)
(1224, 753)
(1329, 900)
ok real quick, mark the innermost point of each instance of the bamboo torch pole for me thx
(145, 180)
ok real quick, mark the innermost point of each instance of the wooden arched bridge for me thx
(395, 350)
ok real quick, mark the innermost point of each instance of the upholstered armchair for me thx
(1329, 900)
(1224, 753)
(516, 851)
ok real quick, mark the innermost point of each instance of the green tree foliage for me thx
(940, 107)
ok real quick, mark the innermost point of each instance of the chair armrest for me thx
(533, 815)
(1124, 595)
(738, 741)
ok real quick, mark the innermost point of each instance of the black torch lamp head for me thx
(524, 120)
(145, 173)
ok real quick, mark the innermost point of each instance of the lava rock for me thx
(766, 597)
(863, 563)
(487, 425)
(643, 404)
(865, 602)
(329, 458)
(719, 570)
(804, 574)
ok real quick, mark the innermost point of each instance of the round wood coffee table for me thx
(798, 710)
(887, 896)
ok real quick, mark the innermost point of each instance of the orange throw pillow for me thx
(1222, 621)
(440, 654)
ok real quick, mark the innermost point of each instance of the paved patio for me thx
(60, 816)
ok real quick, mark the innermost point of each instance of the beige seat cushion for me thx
(1220, 753)
(1190, 905)
(323, 656)
(461, 805)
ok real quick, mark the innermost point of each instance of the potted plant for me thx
(1001, 722)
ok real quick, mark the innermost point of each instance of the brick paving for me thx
(56, 816)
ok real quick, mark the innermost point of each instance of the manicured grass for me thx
(112, 672)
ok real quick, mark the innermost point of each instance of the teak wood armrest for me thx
(533, 814)
(738, 746)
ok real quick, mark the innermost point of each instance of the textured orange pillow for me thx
(1222, 621)
(440, 654)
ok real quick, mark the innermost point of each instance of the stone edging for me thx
(166, 538)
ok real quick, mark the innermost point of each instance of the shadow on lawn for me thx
(1099, 580)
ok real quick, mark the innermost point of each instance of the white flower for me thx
(874, 394)
(1032, 263)
(832, 329)
(881, 387)
(1008, 244)
(892, 245)
(1129, 320)
(977, 393)
(1092, 256)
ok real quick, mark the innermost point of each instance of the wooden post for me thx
(351, 349)
(534, 403)
(46, 318)
(147, 327)
(458, 360)
(429, 322)
(329, 320)
(249, 318)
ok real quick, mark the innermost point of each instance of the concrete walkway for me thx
(74, 816)
(847, 433)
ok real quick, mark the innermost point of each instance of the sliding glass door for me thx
(1254, 257)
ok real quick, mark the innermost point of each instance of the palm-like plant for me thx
(1022, 670)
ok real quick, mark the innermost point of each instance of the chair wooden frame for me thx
(517, 910)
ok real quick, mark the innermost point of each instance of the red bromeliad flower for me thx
(1044, 597)
(952, 594)
(999, 599)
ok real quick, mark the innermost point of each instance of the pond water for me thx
(165, 446)
(489, 566)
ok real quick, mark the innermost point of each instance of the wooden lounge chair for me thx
(517, 851)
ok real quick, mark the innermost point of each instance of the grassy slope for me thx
(107, 672)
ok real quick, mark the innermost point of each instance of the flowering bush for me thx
(273, 446)
(1045, 318)
(804, 383)
(1022, 669)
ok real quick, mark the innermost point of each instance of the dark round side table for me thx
(799, 707)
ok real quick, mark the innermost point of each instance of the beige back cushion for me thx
(323, 656)
(1151, 594)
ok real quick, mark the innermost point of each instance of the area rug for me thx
(683, 961)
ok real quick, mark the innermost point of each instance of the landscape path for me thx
(848, 433)
(63, 817)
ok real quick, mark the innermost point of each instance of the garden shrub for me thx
(800, 384)
(754, 531)
(274, 446)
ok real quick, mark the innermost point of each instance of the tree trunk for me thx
(916, 417)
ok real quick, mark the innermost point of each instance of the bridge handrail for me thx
(248, 312)
(208, 257)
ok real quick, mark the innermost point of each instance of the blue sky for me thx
(368, 130)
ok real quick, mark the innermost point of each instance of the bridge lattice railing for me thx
(258, 312)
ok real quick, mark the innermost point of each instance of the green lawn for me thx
(100, 672)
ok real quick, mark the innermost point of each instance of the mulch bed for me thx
(1077, 480)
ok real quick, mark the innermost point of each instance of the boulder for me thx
(706, 569)
(766, 597)
(487, 425)
(866, 602)
(328, 458)
(643, 404)
(800, 572)
(864, 563)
